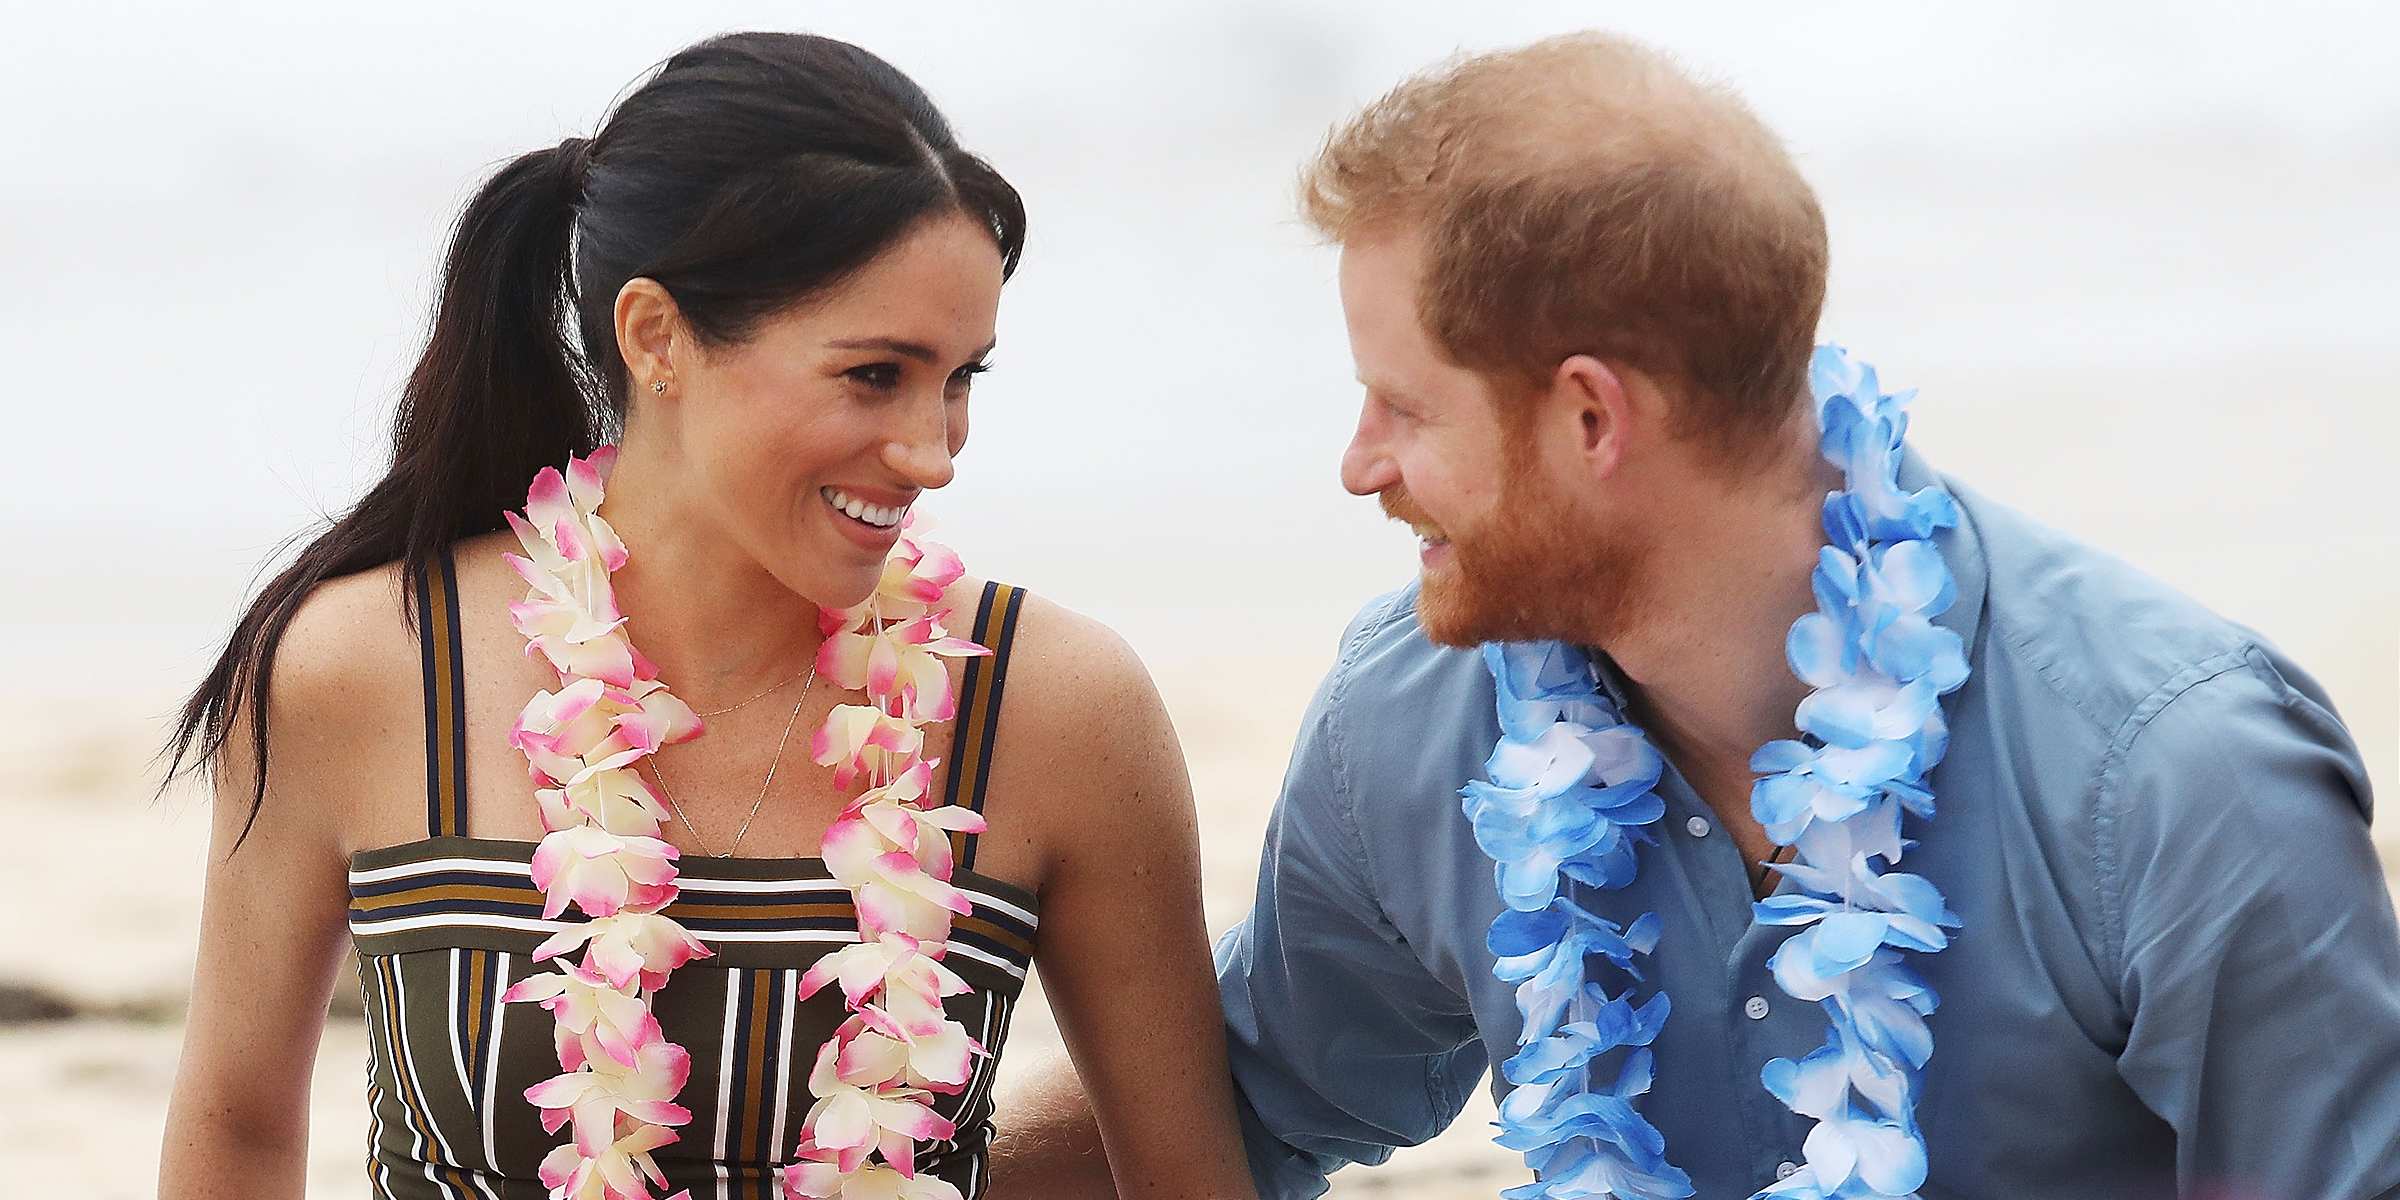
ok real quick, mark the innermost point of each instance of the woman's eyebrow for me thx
(916, 350)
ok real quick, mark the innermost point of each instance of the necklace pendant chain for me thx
(810, 671)
(660, 773)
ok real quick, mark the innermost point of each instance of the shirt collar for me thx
(1962, 552)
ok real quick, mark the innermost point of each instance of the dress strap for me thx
(979, 708)
(436, 586)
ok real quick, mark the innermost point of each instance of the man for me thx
(1582, 291)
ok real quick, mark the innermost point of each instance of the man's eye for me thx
(882, 376)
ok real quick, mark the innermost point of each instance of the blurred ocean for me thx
(2140, 258)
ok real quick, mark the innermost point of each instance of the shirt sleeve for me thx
(1343, 1044)
(2259, 963)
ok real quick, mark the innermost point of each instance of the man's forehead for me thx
(1391, 252)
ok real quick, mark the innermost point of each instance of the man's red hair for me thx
(1584, 196)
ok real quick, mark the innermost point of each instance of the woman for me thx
(785, 274)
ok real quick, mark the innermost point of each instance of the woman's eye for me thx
(881, 376)
(965, 376)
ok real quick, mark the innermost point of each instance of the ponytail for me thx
(499, 393)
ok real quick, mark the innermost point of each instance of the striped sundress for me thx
(446, 924)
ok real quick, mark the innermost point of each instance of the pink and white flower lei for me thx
(601, 851)
(876, 1080)
(602, 854)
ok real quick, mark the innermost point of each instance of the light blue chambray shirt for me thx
(2178, 971)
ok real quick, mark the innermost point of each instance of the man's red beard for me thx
(1542, 571)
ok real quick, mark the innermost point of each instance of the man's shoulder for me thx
(2127, 668)
(2106, 640)
(1388, 668)
(1409, 717)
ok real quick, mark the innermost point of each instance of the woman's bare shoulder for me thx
(345, 705)
(1072, 680)
(349, 641)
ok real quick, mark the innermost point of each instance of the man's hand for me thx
(1045, 1143)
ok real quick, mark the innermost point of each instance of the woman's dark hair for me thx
(749, 172)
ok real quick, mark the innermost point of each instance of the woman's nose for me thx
(921, 451)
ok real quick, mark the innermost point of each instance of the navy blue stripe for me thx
(763, 1147)
(457, 822)
(738, 1138)
(433, 700)
(991, 715)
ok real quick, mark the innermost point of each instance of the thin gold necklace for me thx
(661, 773)
(810, 670)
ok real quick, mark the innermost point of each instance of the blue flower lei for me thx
(1572, 790)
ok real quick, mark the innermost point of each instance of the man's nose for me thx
(1367, 466)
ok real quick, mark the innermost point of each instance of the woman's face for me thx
(806, 443)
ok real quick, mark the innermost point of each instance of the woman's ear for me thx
(1589, 393)
(649, 328)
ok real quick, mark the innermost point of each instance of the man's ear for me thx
(1588, 394)
(649, 326)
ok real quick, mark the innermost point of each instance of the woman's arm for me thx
(1123, 950)
(274, 915)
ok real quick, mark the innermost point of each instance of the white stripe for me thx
(491, 1059)
(403, 1056)
(391, 1057)
(489, 866)
(997, 904)
(463, 920)
(458, 1051)
(378, 1173)
(391, 1054)
(461, 1055)
(979, 1088)
(733, 1010)
(480, 1181)
(780, 1140)
(993, 1038)
(1015, 970)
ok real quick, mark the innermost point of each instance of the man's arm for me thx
(1343, 1045)
(1045, 1142)
(2259, 962)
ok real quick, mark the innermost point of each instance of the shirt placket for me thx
(1757, 1020)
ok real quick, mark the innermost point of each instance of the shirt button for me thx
(1783, 1170)
(1755, 1008)
(1697, 827)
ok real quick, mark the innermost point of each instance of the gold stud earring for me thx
(660, 387)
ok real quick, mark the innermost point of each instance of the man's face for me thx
(1509, 553)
